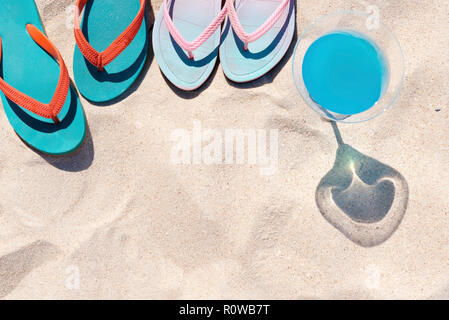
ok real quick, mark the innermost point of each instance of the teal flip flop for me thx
(186, 37)
(111, 47)
(256, 37)
(30, 71)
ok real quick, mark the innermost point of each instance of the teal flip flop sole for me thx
(263, 54)
(31, 70)
(190, 18)
(102, 23)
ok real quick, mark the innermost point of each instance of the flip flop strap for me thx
(199, 41)
(101, 59)
(50, 110)
(262, 30)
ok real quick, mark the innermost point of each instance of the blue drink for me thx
(344, 72)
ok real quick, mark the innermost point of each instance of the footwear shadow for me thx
(194, 93)
(78, 161)
(363, 198)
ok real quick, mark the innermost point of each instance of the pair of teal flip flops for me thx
(25, 88)
(190, 18)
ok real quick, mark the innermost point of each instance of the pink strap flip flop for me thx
(186, 37)
(257, 36)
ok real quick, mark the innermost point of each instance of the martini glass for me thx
(348, 68)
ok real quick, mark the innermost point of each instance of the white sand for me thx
(137, 226)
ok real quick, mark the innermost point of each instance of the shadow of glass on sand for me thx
(362, 197)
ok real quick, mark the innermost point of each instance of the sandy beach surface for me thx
(119, 219)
